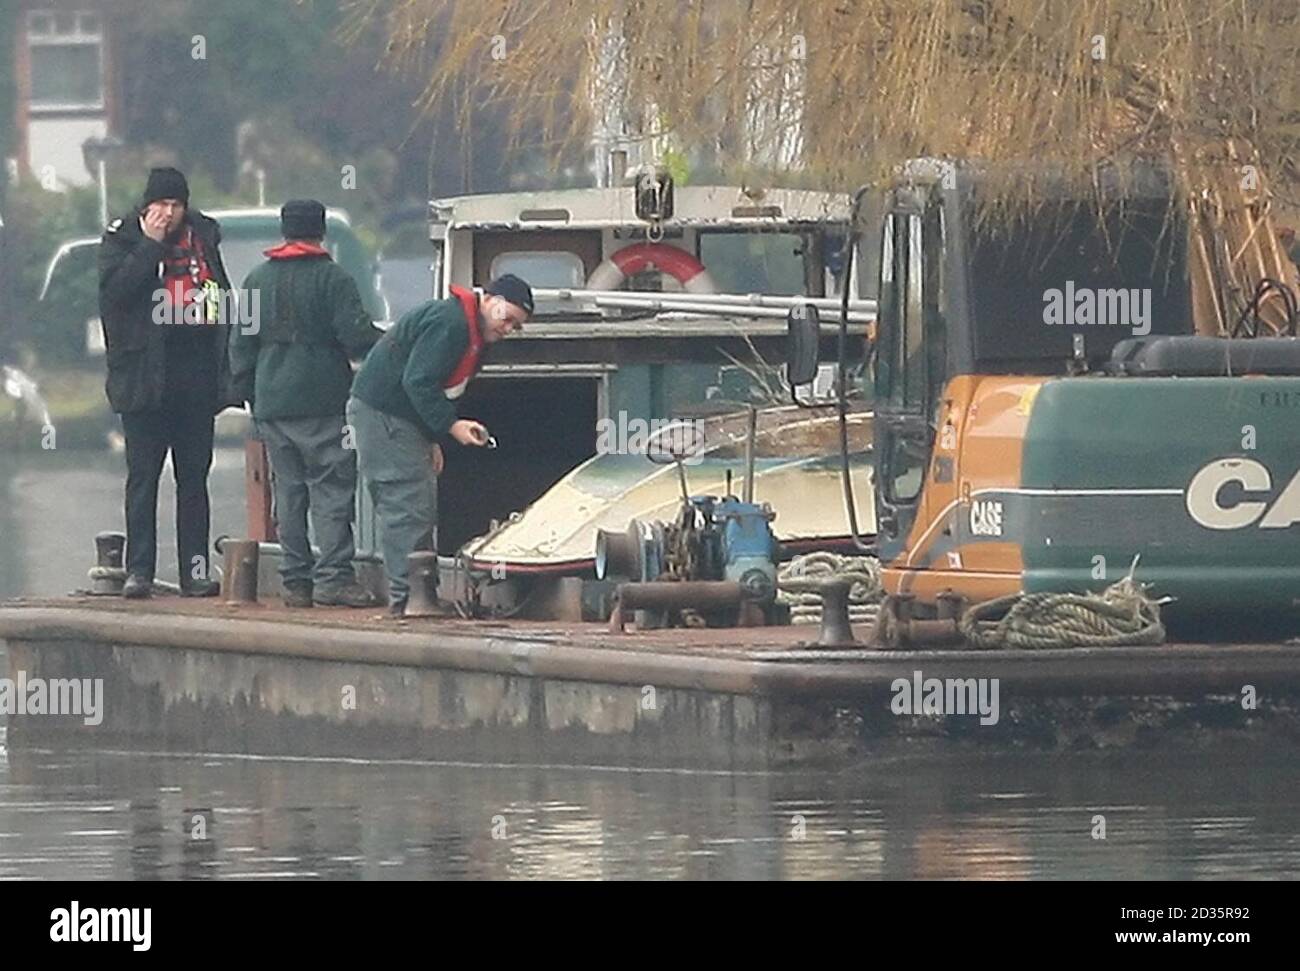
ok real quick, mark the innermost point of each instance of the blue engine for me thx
(749, 548)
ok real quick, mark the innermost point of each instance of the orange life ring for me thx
(681, 265)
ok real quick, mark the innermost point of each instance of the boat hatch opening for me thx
(544, 426)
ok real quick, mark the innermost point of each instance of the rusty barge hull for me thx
(210, 678)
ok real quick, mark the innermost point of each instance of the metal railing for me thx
(708, 304)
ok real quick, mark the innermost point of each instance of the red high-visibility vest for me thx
(454, 386)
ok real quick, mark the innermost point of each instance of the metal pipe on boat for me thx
(712, 299)
(712, 310)
(749, 453)
(664, 595)
(676, 595)
(908, 630)
(274, 549)
(702, 304)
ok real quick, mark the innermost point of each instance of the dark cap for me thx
(513, 289)
(166, 183)
(302, 219)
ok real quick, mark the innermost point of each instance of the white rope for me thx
(797, 583)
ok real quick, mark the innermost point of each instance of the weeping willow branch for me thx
(1067, 84)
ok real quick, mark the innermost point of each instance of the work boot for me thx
(297, 595)
(397, 610)
(351, 595)
(200, 588)
(137, 587)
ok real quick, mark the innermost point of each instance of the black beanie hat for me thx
(302, 219)
(513, 289)
(166, 183)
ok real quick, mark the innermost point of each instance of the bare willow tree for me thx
(840, 92)
(1067, 82)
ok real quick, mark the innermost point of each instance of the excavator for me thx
(1107, 384)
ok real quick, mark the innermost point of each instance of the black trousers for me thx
(185, 429)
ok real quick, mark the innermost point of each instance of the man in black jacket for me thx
(162, 287)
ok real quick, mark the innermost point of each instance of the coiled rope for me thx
(799, 582)
(1122, 614)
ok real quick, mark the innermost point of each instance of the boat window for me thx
(552, 268)
(832, 259)
(755, 262)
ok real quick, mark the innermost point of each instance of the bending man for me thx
(404, 399)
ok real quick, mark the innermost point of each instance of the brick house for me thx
(63, 69)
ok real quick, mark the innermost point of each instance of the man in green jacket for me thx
(404, 399)
(294, 371)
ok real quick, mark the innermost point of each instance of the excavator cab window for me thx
(933, 301)
(911, 350)
(900, 354)
(885, 354)
(911, 345)
(1074, 270)
(910, 363)
(907, 463)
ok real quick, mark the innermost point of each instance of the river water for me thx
(1207, 814)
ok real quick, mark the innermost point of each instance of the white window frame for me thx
(495, 269)
(77, 37)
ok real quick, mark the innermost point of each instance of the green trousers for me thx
(312, 470)
(393, 457)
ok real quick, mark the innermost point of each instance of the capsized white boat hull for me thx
(797, 471)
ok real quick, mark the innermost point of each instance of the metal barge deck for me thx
(183, 675)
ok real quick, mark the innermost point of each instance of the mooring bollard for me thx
(239, 577)
(422, 571)
(836, 630)
(108, 575)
